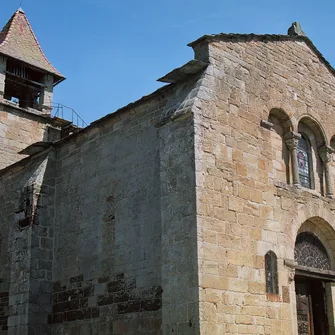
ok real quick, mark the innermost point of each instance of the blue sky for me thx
(112, 51)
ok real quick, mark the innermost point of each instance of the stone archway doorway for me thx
(312, 276)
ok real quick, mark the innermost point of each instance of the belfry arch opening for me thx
(23, 84)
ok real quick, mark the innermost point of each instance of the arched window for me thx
(271, 273)
(304, 161)
(309, 251)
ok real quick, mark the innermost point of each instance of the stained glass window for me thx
(271, 273)
(309, 251)
(304, 161)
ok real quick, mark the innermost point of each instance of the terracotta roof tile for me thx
(18, 41)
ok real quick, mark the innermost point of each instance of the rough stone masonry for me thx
(161, 217)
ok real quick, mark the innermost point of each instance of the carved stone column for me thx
(292, 139)
(325, 155)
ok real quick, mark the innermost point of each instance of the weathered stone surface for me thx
(296, 29)
(156, 219)
(269, 211)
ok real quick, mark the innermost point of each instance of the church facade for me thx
(204, 208)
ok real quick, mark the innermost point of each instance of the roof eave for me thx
(57, 75)
(58, 80)
(47, 67)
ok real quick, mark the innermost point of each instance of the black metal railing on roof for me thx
(68, 113)
(58, 110)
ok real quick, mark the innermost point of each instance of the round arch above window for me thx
(309, 251)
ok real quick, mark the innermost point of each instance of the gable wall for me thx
(246, 204)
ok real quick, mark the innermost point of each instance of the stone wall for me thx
(246, 203)
(27, 192)
(98, 232)
(5, 261)
(18, 129)
(156, 220)
(179, 231)
(107, 229)
(124, 223)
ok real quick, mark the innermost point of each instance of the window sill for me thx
(25, 110)
(273, 297)
(298, 189)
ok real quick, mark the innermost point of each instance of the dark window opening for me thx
(24, 222)
(23, 84)
(304, 161)
(271, 273)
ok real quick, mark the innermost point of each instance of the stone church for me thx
(204, 208)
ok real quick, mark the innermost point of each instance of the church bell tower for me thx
(26, 75)
(27, 80)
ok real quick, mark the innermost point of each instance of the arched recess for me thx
(314, 254)
(322, 230)
(315, 129)
(312, 131)
(279, 117)
(309, 251)
(282, 125)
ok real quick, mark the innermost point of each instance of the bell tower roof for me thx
(18, 41)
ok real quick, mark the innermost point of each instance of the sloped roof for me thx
(263, 38)
(17, 40)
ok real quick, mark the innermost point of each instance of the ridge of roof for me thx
(17, 40)
(263, 37)
(5, 31)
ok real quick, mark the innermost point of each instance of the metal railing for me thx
(68, 113)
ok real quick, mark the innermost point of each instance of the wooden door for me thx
(311, 307)
(304, 309)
